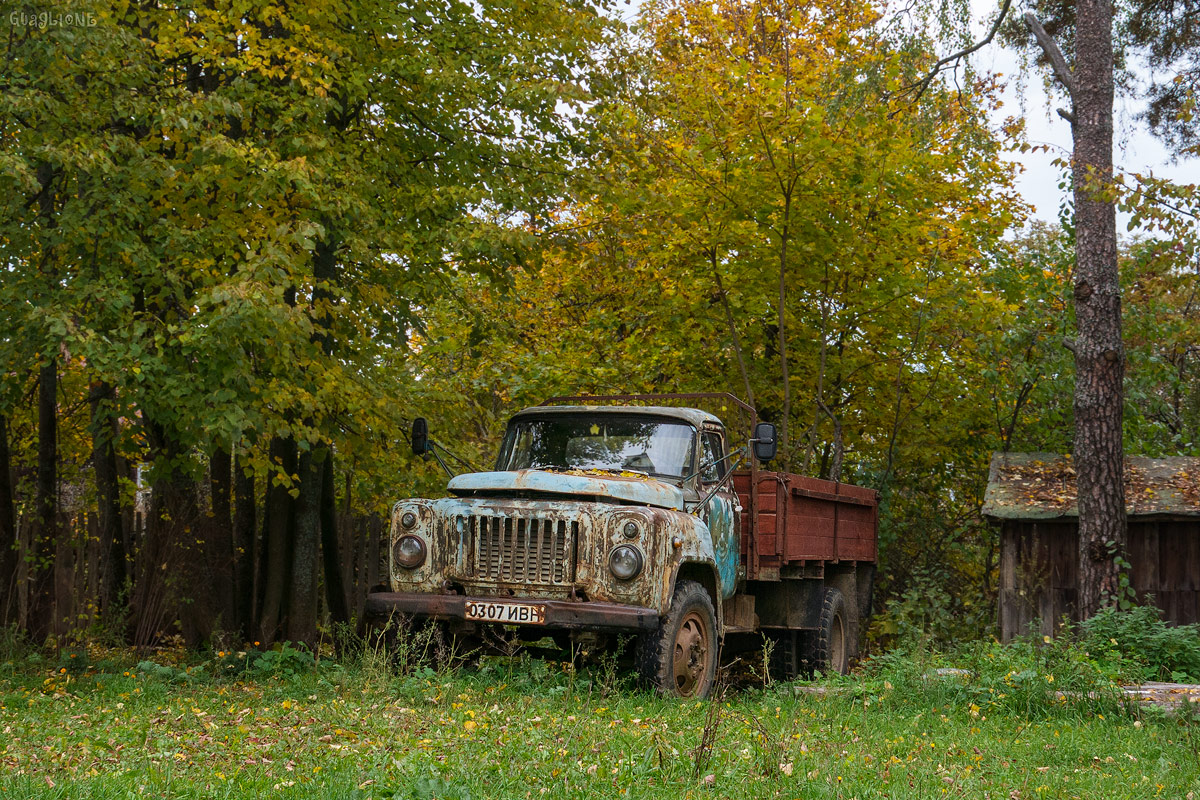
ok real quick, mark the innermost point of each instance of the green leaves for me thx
(173, 174)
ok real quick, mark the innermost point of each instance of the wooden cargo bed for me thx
(802, 520)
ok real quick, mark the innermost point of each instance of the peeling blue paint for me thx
(721, 520)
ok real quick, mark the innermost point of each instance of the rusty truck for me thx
(629, 517)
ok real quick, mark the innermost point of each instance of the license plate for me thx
(507, 613)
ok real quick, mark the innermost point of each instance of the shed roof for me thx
(1042, 486)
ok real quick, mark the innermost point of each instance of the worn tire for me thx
(785, 655)
(680, 658)
(829, 647)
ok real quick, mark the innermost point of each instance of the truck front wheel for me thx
(828, 647)
(680, 657)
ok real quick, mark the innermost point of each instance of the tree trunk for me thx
(307, 535)
(172, 582)
(244, 548)
(785, 423)
(41, 571)
(276, 561)
(1099, 351)
(306, 544)
(108, 499)
(8, 532)
(732, 323)
(335, 589)
(219, 545)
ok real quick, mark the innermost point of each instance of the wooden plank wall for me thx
(1038, 562)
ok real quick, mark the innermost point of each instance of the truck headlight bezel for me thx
(410, 551)
(625, 562)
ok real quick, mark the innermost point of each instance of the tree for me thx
(223, 221)
(778, 162)
(1098, 347)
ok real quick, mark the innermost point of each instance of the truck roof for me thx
(692, 416)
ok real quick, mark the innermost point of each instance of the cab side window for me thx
(712, 449)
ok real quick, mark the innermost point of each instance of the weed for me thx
(284, 660)
(1138, 645)
(610, 678)
(702, 753)
(14, 644)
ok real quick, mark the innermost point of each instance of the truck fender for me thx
(704, 573)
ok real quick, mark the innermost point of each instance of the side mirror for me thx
(764, 441)
(420, 436)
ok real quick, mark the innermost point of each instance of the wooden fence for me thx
(78, 561)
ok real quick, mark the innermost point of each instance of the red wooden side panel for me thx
(768, 526)
(808, 519)
(811, 527)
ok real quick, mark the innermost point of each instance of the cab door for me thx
(722, 512)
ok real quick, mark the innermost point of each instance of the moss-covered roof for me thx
(1042, 486)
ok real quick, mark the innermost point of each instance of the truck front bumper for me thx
(559, 614)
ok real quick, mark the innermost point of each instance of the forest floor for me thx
(246, 724)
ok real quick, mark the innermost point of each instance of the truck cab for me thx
(593, 520)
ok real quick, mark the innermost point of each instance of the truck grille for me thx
(520, 550)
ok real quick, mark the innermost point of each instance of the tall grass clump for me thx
(14, 644)
(1034, 677)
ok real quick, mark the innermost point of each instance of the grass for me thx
(104, 725)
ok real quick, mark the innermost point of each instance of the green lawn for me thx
(535, 729)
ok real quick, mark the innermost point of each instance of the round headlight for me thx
(631, 530)
(408, 520)
(409, 552)
(625, 562)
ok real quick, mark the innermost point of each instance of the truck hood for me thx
(579, 483)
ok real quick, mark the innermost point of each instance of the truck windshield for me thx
(591, 441)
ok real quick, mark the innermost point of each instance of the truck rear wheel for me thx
(785, 655)
(829, 648)
(680, 657)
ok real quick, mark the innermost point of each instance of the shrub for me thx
(1140, 646)
(928, 611)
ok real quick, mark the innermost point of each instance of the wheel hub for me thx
(691, 654)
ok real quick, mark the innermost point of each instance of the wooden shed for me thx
(1032, 497)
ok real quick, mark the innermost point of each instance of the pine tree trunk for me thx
(1099, 351)
(8, 532)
